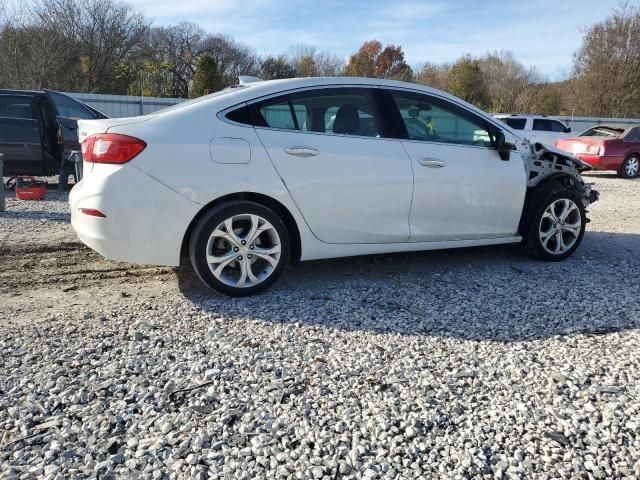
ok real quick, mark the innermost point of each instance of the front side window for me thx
(557, 126)
(340, 111)
(431, 119)
(16, 107)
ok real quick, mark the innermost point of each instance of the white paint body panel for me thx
(355, 208)
(230, 150)
(355, 190)
(475, 195)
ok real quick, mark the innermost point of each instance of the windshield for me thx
(602, 132)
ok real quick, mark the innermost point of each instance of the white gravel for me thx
(475, 363)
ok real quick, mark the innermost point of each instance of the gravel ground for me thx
(477, 363)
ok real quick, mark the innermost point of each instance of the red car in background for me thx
(607, 147)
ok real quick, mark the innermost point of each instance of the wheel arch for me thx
(265, 200)
(540, 192)
(627, 157)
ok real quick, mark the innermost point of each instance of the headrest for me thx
(347, 120)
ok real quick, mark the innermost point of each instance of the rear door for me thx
(350, 184)
(20, 140)
(68, 111)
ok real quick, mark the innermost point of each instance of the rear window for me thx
(16, 107)
(546, 125)
(515, 123)
(602, 132)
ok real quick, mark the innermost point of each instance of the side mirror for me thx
(567, 130)
(503, 148)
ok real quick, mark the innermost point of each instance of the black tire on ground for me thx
(208, 223)
(623, 171)
(538, 205)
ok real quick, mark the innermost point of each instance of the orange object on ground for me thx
(28, 188)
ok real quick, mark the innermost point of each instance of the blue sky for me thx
(544, 33)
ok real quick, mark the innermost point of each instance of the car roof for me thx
(517, 115)
(5, 91)
(253, 91)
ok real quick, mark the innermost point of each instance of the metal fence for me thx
(125, 105)
(580, 124)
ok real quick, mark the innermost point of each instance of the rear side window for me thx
(240, 115)
(515, 123)
(16, 107)
(341, 111)
(546, 125)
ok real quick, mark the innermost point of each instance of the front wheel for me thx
(239, 248)
(630, 168)
(557, 227)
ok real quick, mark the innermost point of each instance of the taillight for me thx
(593, 148)
(111, 148)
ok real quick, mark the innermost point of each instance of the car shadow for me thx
(37, 215)
(488, 293)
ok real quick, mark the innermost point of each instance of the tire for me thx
(548, 236)
(227, 265)
(630, 168)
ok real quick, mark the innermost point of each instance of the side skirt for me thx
(324, 250)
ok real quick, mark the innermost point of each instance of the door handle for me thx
(302, 151)
(432, 163)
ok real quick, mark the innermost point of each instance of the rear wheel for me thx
(557, 225)
(630, 168)
(239, 248)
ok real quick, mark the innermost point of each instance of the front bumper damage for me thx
(545, 162)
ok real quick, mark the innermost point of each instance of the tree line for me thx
(107, 46)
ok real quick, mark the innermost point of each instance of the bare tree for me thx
(607, 66)
(99, 32)
(307, 61)
(433, 75)
(233, 58)
(33, 55)
(506, 79)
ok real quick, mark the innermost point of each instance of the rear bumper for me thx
(602, 162)
(145, 220)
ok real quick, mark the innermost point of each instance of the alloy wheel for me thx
(560, 226)
(632, 166)
(243, 250)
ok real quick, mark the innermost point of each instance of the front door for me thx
(68, 111)
(20, 135)
(350, 184)
(463, 190)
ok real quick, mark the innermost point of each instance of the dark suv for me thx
(38, 129)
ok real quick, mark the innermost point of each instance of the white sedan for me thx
(248, 179)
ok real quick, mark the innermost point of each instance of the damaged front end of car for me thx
(544, 163)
